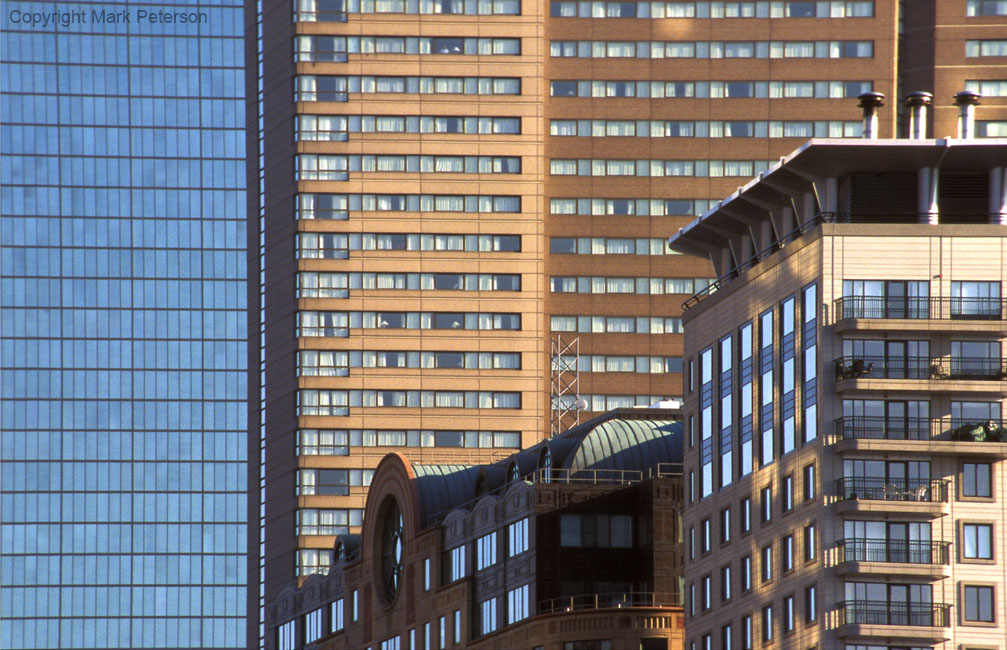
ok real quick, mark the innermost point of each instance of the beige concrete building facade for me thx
(847, 447)
(453, 187)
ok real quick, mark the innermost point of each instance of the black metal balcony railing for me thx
(893, 550)
(864, 488)
(920, 308)
(866, 427)
(879, 367)
(881, 612)
(950, 368)
(986, 368)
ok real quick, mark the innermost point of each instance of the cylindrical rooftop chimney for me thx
(870, 102)
(966, 101)
(917, 103)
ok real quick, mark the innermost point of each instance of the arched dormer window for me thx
(545, 464)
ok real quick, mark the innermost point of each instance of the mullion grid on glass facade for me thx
(129, 420)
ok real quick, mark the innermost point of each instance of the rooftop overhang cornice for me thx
(819, 159)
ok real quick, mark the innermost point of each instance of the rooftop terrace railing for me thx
(584, 477)
(647, 599)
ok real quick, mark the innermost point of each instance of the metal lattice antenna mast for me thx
(564, 401)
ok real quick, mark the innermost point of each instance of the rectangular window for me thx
(517, 534)
(456, 563)
(810, 543)
(766, 504)
(596, 531)
(746, 573)
(767, 624)
(767, 563)
(977, 541)
(706, 422)
(725, 525)
(746, 632)
(787, 493)
(354, 606)
(745, 399)
(725, 582)
(788, 372)
(976, 480)
(704, 536)
(487, 618)
(486, 551)
(788, 553)
(426, 574)
(726, 638)
(443, 636)
(766, 389)
(517, 604)
(707, 587)
(726, 411)
(810, 604)
(978, 605)
(809, 482)
(286, 636)
(745, 515)
(809, 342)
(336, 616)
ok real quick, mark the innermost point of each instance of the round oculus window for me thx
(391, 550)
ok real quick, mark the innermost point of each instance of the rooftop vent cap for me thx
(966, 101)
(870, 102)
(917, 103)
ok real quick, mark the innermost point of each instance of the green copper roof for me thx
(628, 445)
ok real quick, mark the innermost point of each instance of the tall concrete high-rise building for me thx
(123, 374)
(466, 204)
(846, 434)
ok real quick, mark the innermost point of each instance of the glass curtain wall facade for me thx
(124, 510)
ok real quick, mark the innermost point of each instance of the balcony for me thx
(894, 620)
(945, 435)
(931, 374)
(906, 308)
(916, 558)
(920, 497)
(893, 550)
